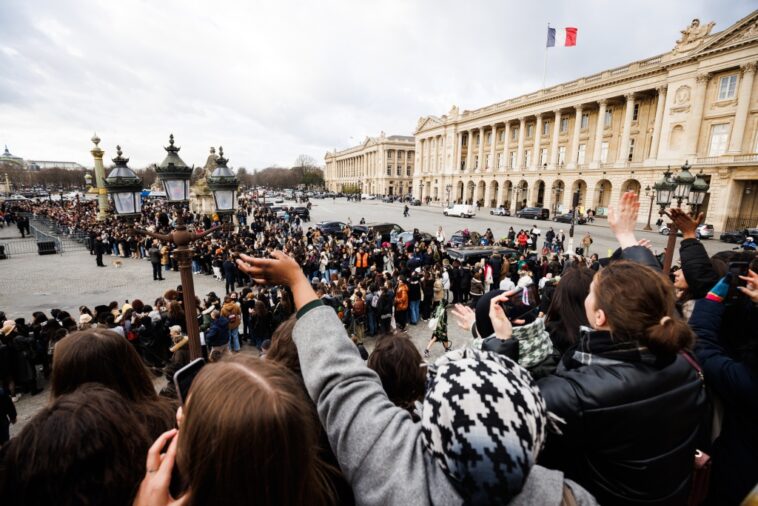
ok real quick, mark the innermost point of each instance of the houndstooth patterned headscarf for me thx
(484, 421)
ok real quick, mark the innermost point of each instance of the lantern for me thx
(124, 187)
(223, 183)
(174, 174)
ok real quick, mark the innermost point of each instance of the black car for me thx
(533, 213)
(472, 254)
(566, 218)
(303, 212)
(335, 228)
(415, 202)
(386, 230)
(738, 236)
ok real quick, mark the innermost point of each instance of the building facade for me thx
(611, 132)
(381, 165)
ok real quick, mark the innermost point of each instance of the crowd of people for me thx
(586, 380)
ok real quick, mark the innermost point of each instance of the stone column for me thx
(554, 144)
(574, 151)
(520, 149)
(481, 166)
(537, 142)
(696, 116)
(458, 153)
(102, 194)
(506, 144)
(469, 148)
(743, 105)
(626, 132)
(500, 191)
(493, 149)
(657, 124)
(599, 129)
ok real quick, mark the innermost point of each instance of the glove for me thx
(721, 289)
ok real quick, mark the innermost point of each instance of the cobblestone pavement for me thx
(30, 282)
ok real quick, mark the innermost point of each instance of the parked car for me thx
(533, 213)
(458, 239)
(334, 228)
(461, 210)
(566, 218)
(500, 211)
(705, 231)
(738, 236)
(415, 202)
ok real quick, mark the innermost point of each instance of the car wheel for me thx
(444, 212)
(492, 213)
(665, 231)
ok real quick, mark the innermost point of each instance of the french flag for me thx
(561, 36)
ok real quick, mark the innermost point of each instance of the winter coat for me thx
(631, 423)
(401, 297)
(232, 309)
(735, 452)
(697, 268)
(218, 333)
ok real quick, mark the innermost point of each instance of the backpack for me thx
(374, 300)
(359, 307)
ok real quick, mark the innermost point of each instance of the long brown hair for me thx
(104, 357)
(398, 363)
(250, 418)
(639, 306)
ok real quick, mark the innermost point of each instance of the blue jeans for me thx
(234, 339)
(413, 306)
(371, 323)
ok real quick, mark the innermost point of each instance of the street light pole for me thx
(651, 194)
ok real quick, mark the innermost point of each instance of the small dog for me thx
(117, 264)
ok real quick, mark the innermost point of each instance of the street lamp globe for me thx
(124, 187)
(223, 183)
(698, 191)
(88, 180)
(174, 174)
(684, 181)
(664, 190)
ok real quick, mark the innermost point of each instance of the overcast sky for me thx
(271, 80)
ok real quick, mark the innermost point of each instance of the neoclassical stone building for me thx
(607, 133)
(381, 165)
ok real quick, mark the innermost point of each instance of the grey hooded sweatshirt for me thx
(377, 444)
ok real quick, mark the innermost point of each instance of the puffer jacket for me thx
(631, 422)
(401, 297)
(697, 267)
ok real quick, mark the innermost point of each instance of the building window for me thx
(529, 131)
(514, 133)
(631, 150)
(608, 118)
(604, 152)
(408, 170)
(564, 125)
(464, 140)
(546, 128)
(543, 156)
(561, 155)
(512, 163)
(479, 140)
(636, 112)
(528, 158)
(463, 164)
(399, 171)
(585, 120)
(502, 136)
(500, 160)
(727, 87)
(476, 162)
(719, 137)
(581, 154)
(389, 170)
(489, 138)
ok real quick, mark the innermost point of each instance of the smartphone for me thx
(183, 378)
(737, 269)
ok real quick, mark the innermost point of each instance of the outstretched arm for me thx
(160, 237)
(195, 236)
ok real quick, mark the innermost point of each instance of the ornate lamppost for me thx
(124, 187)
(223, 183)
(448, 188)
(174, 174)
(557, 191)
(680, 187)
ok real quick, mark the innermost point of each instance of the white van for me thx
(462, 210)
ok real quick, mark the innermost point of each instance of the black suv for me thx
(566, 218)
(738, 236)
(533, 213)
(334, 228)
(303, 212)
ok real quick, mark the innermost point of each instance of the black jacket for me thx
(631, 424)
(697, 268)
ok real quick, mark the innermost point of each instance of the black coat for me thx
(632, 425)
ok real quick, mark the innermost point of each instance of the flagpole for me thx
(544, 68)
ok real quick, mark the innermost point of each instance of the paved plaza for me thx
(31, 282)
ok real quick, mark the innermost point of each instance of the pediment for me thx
(428, 122)
(743, 30)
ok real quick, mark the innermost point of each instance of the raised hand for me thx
(500, 322)
(684, 222)
(623, 218)
(464, 316)
(154, 489)
(751, 289)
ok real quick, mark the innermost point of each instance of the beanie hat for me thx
(484, 423)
